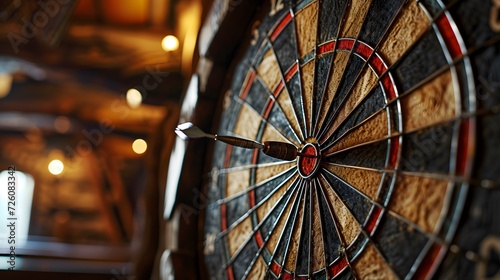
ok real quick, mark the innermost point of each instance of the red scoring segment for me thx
(337, 267)
(373, 219)
(284, 22)
(308, 165)
(451, 41)
(428, 265)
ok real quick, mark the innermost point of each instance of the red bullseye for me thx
(309, 160)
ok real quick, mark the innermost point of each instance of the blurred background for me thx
(89, 96)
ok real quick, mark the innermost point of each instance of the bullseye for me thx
(308, 162)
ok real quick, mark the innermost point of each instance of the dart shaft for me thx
(240, 142)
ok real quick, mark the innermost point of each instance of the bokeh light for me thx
(139, 146)
(170, 43)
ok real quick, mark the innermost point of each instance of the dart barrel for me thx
(280, 150)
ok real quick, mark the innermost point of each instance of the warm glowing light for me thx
(170, 43)
(5, 84)
(62, 124)
(56, 167)
(134, 98)
(139, 146)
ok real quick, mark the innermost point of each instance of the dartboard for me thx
(393, 108)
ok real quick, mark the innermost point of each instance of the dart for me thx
(280, 150)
